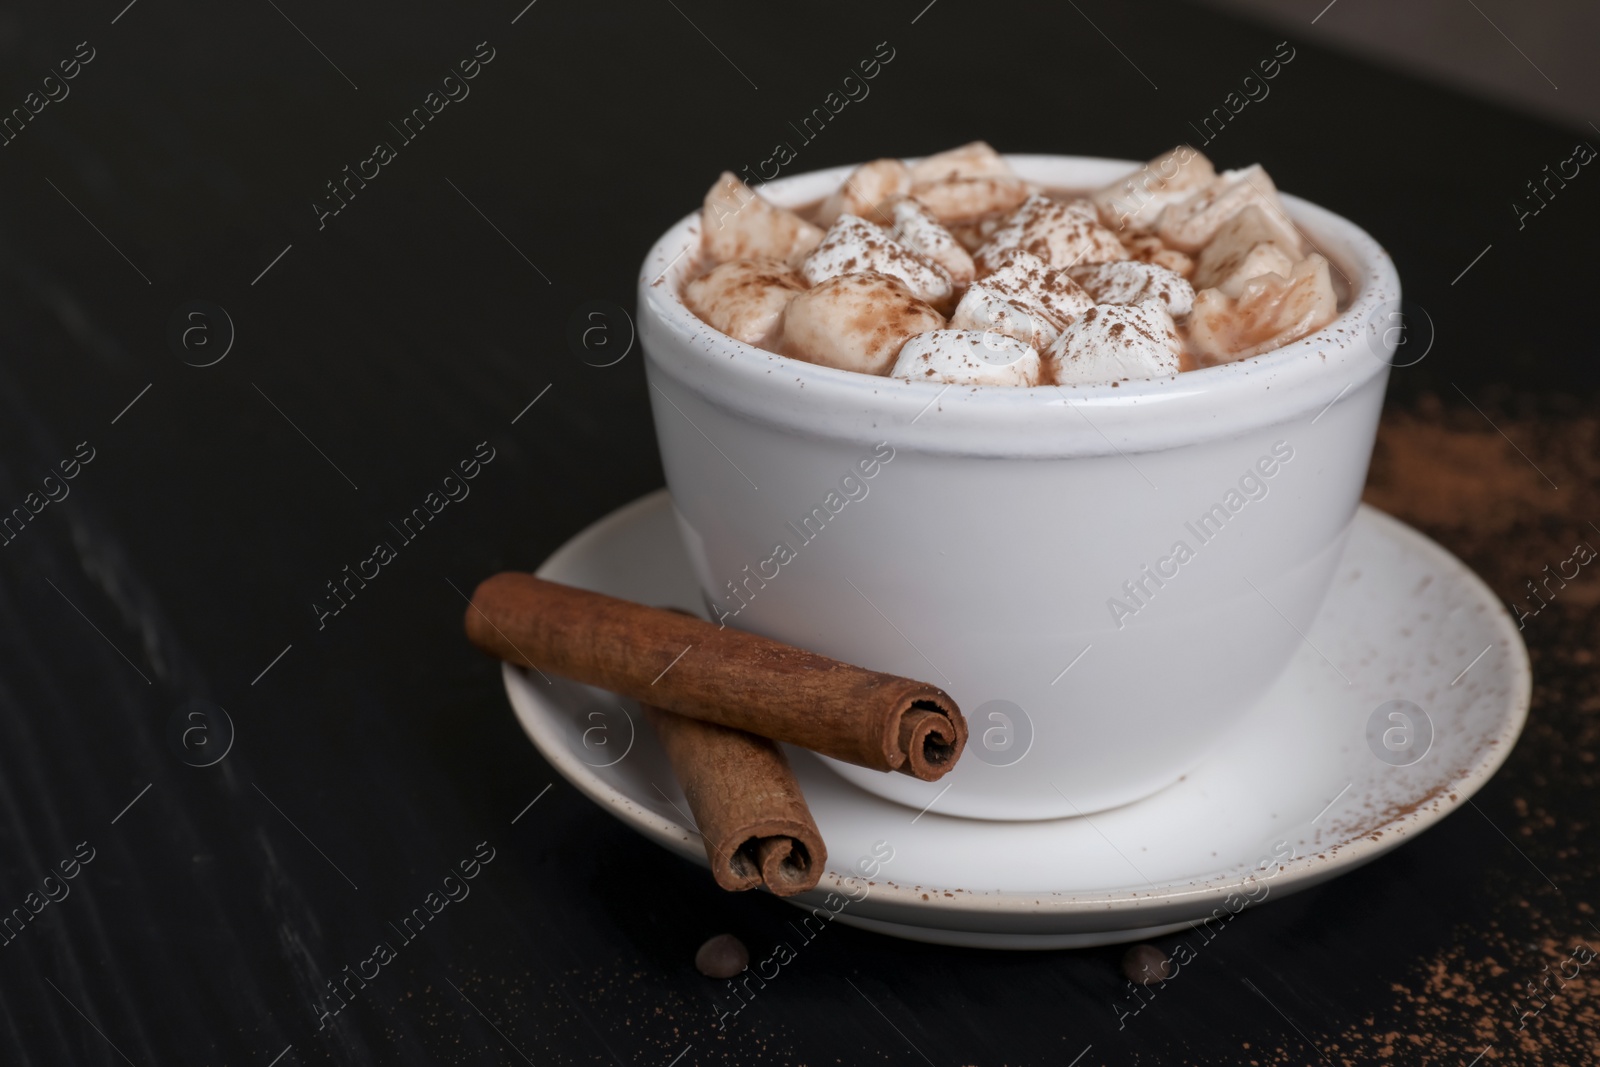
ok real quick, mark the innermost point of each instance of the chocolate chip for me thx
(1144, 964)
(722, 957)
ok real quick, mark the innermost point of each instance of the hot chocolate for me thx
(955, 270)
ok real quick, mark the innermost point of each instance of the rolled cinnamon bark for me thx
(746, 804)
(715, 674)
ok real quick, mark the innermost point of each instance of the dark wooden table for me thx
(164, 203)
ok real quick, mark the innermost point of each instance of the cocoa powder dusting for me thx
(1449, 472)
(1503, 1000)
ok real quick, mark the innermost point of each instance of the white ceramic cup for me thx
(988, 553)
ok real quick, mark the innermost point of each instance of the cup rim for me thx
(1209, 403)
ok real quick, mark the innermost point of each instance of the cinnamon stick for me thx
(719, 675)
(746, 803)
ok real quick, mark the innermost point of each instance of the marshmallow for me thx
(967, 357)
(1270, 311)
(915, 227)
(1148, 248)
(965, 202)
(1265, 257)
(986, 311)
(1132, 204)
(865, 190)
(1029, 282)
(974, 160)
(1190, 224)
(735, 223)
(1112, 342)
(1247, 246)
(1062, 233)
(744, 298)
(855, 322)
(1132, 282)
(853, 244)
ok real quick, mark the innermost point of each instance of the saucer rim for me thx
(1107, 909)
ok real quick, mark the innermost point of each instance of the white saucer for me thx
(1404, 620)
